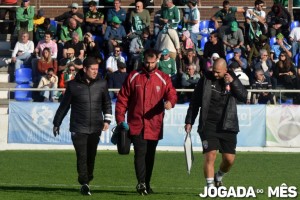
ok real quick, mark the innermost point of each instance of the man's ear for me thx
(84, 69)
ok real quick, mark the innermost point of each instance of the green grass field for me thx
(52, 175)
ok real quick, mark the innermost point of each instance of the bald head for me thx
(219, 68)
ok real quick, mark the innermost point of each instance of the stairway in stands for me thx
(6, 71)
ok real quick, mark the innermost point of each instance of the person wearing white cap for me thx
(73, 13)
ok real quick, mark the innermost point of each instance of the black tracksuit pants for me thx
(86, 149)
(144, 154)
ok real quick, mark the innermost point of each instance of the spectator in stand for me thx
(46, 26)
(38, 19)
(242, 62)
(114, 34)
(227, 15)
(67, 31)
(168, 66)
(210, 63)
(238, 71)
(278, 20)
(137, 46)
(189, 80)
(91, 48)
(73, 13)
(94, 19)
(63, 63)
(262, 43)
(10, 26)
(193, 20)
(168, 39)
(233, 37)
(170, 14)
(139, 20)
(116, 79)
(22, 52)
(264, 63)
(46, 42)
(116, 11)
(255, 23)
(280, 46)
(76, 44)
(185, 44)
(67, 75)
(157, 22)
(261, 82)
(285, 72)
(214, 45)
(49, 81)
(24, 16)
(295, 40)
(111, 62)
(46, 62)
(190, 58)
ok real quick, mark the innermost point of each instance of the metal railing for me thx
(280, 91)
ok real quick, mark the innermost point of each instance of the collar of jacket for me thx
(80, 77)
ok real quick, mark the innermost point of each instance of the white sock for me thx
(219, 175)
(210, 182)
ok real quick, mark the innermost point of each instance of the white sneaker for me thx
(7, 60)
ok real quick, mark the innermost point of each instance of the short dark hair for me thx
(92, 3)
(214, 33)
(46, 21)
(150, 53)
(257, 2)
(89, 61)
(48, 33)
(225, 3)
(50, 70)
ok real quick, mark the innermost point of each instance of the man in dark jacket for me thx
(88, 95)
(216, 94)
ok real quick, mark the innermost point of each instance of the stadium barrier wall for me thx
(30, 124)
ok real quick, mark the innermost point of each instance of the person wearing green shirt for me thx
(168, 65)
(66, 31)
(170, 14)
(94, 19)
(227, 15)
(24, 16)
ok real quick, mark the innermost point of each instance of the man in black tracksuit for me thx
(89, 97)
(218, 121)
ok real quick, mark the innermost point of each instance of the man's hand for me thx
(55, 131)
(168, 105)
(105, 127)
(188, 128)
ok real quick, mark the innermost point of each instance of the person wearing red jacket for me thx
(145, 95)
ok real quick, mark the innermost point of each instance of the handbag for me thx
(121, 137)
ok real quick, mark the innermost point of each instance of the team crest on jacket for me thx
(157, 88)
(205, 144)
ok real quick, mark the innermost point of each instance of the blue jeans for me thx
(48, 94)
(25, 59)
(194, 37)
(295, 48)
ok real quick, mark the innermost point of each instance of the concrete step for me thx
(4, 78)
(5, 37)
(6, 94)
(4, 45)
(6, 53)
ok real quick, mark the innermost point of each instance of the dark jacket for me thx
(201, 99)
(88, 102)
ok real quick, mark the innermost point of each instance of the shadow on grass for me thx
(57, 190)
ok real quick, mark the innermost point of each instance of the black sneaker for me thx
(217, 183)
(141, 189)
(85, 190)
(150, 191)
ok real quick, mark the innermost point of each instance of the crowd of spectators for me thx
(57, 47)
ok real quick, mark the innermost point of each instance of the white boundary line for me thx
(159, 148)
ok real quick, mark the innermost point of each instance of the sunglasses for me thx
(117, 51)
(74, 8)
(72, 70)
